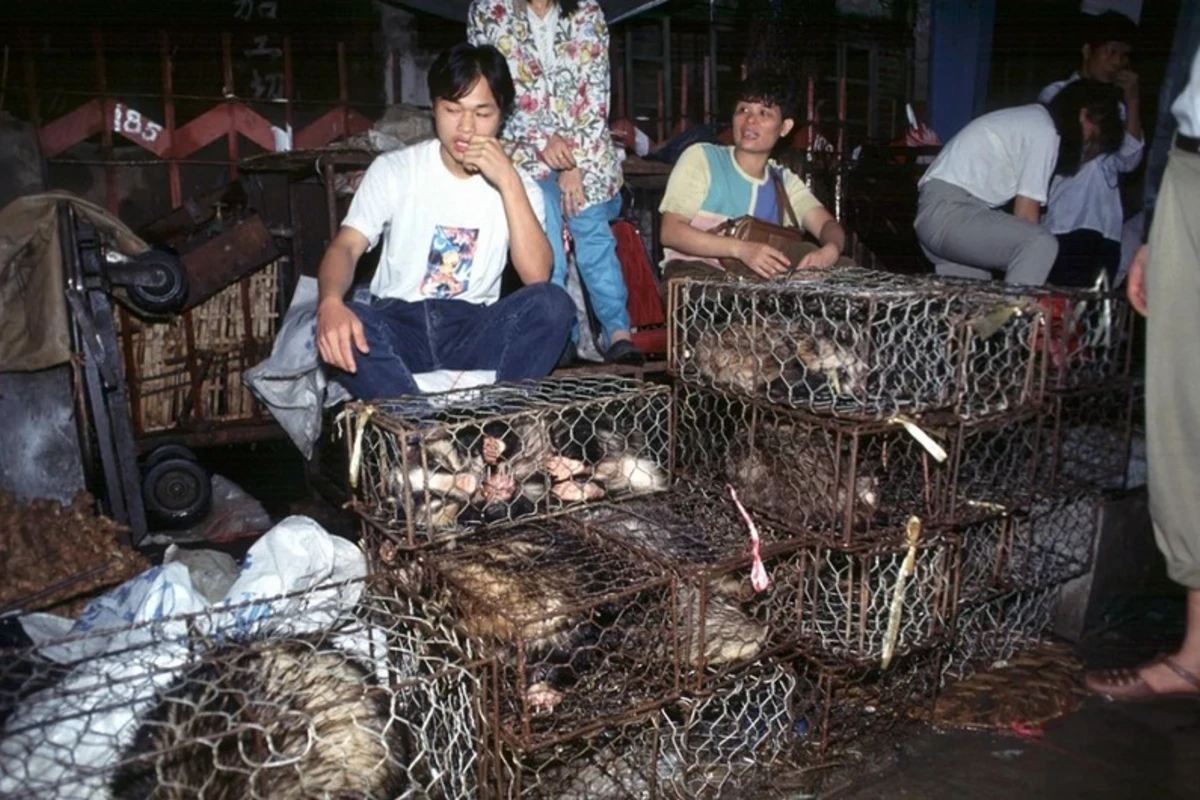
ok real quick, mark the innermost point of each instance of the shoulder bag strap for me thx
(781, 199)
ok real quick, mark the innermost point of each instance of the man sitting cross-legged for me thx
(451, 208)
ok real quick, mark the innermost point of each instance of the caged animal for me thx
(783, 471)
(516, 467)
(789, 360)
(286, 718)
(518, 591)
(729, 633)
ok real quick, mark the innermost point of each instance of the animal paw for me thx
(561, 468)
(576, 491)
(493, 448)
(499, 488)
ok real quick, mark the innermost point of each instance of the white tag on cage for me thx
(925, 440)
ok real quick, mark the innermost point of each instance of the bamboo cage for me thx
(187, 373)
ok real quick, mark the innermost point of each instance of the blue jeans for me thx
(520, 337)
(595, 256)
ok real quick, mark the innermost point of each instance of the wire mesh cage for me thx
(1055, 540)
(1089, 433)
(872, 601)
(848, 479)
(987, 552)
(583, 632)
(993, 630)
(732, 740)
(857, 343)
(1085, 336)
(429, 468)
(335, 691)
(710, 746)
(724, 622)
(838, 705)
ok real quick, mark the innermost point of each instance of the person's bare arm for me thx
(1027, 209)
(832, 236)
(337, 326)
(678, 234)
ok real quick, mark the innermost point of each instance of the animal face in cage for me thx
(505, 453)
(583, 632)
(809, 474)
(1088, 436)
(723, 621)
(857, 343)
(869, 602)
(306, 703)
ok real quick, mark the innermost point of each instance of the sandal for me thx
(1127, 686)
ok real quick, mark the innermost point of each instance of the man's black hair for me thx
(1111, 26)
(1102, 102)
(772, 89)
(568, 7)
(456, 69)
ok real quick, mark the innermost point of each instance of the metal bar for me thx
(231, 135)
(112, 200)
(168, 79)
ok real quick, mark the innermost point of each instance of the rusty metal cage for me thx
(992, 630)
(1042, 545)
(699, 747)
(1085, 336)
(848, 479)
(871, 601)
(583, 632)
(839, 704)
(1088, 437)
(338, 690)
(724, 624)
(433, 467)
(858, 343)
(1055, 540)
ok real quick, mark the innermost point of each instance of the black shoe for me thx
(569, 354)
(624, 352)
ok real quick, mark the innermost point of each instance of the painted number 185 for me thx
(130, 122)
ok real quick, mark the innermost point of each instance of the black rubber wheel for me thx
(169, 293)
(176, 493)
(165, 451)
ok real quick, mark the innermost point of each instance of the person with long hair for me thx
(1007, 156)
(558, 135)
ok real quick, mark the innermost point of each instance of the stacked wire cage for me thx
(629, 654)
(1084, 342)
(894, 426)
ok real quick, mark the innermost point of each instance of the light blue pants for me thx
(595, 257)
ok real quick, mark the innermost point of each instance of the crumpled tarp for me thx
(34, 330)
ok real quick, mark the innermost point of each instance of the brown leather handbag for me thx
(789, 241)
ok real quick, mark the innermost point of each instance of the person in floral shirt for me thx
(558, 135)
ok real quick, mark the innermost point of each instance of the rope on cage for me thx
(758, 573)
(356, 452)
(912, 534)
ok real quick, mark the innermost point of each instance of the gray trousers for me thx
(1173, 368)
(965, 238)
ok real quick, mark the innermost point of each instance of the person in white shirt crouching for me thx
(1008, 156)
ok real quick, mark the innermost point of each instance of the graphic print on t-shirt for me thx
(448, 269)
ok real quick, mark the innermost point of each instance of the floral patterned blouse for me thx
(568, 97)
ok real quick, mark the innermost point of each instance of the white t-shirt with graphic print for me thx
(445, 237)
